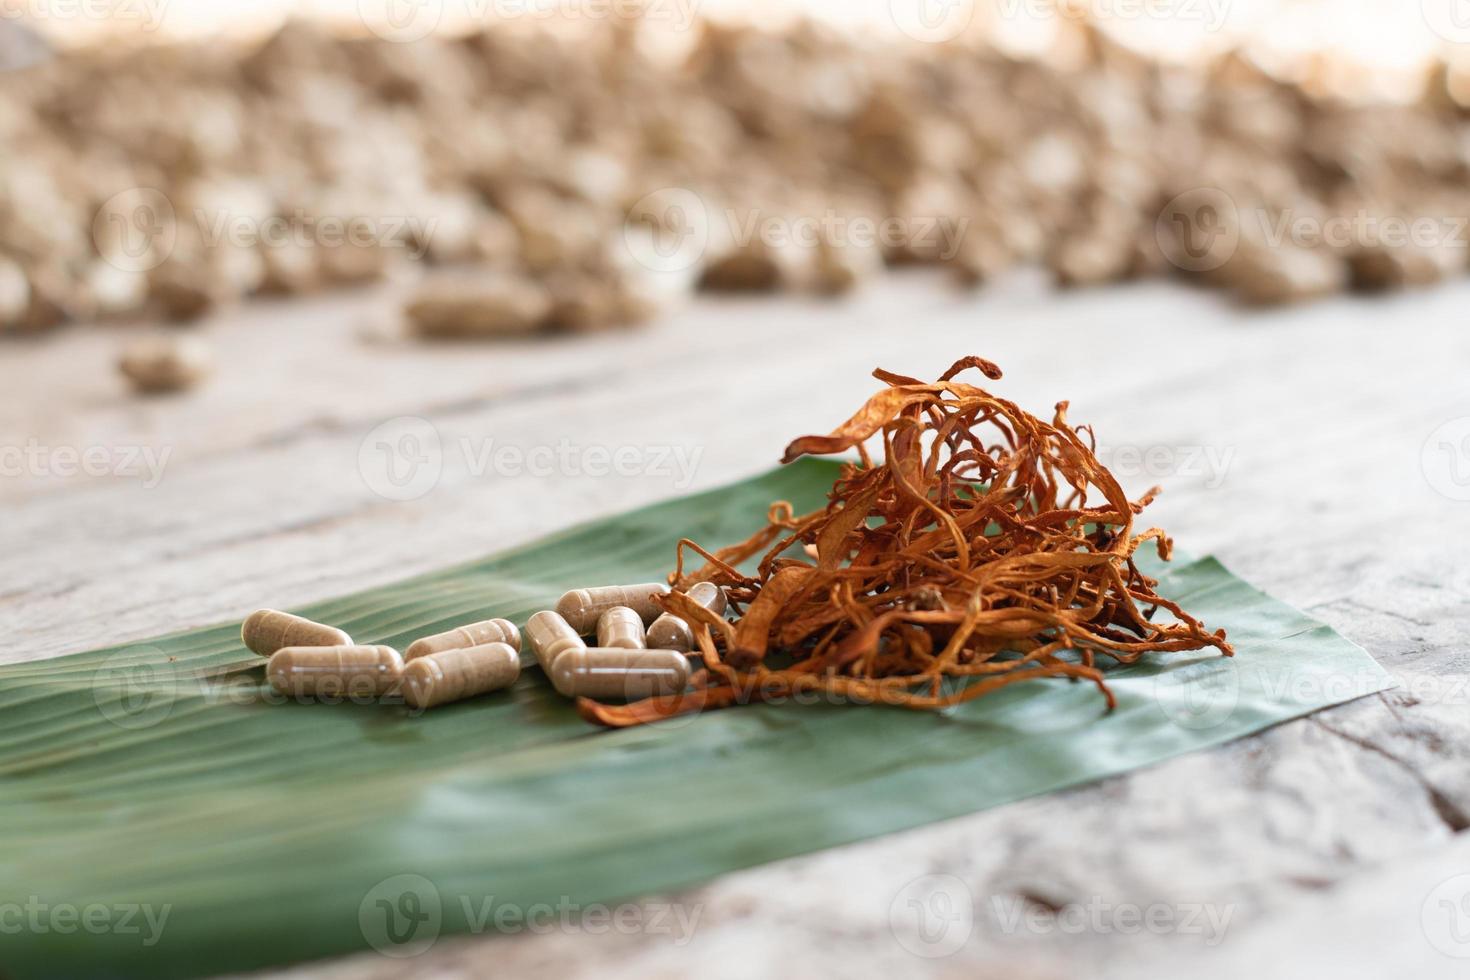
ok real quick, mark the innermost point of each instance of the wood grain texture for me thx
(1291, 444)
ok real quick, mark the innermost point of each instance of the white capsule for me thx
(670, 632)
(453, 675)
(620, 627)
(581, 608)
(266, 630)
(549, 637)
(353, 671)
(473, 635)
(629, 675)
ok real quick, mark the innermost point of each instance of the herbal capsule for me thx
(452, 675)
(365, 671)
(581, 608)
(620, 627)
(669, 632)
(266, 631)
(473, 635)
(627, 674)
(549, 637)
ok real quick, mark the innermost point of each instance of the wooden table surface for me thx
(1321, 452)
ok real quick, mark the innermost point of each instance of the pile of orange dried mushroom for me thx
(986, 547)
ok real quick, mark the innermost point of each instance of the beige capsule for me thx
(620, 627)
(473, 635)
(626, 674)
(453, 675)
(353, 671)
(582, 608)
(549, 636)
(669, 632)
(162, 364)
(266, 630)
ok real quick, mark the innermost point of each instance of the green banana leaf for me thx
(163, 814)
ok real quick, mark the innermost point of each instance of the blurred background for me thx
(519, 167)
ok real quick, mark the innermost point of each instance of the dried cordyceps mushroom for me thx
(986, 547)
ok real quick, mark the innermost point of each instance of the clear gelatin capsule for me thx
(549, 636)
(473, 635)
(338, 671)
(267, 630)
(582, 608)
(629, 675)
(620, 627)
(453, 675)
(669, 632)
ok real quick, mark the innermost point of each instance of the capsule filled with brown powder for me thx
(352, 671)
(669, 632)
(627, 674)
(453, 675)
(620, 627)
(267, 630)
(582, 608)
(473, 635)
(549, 636)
